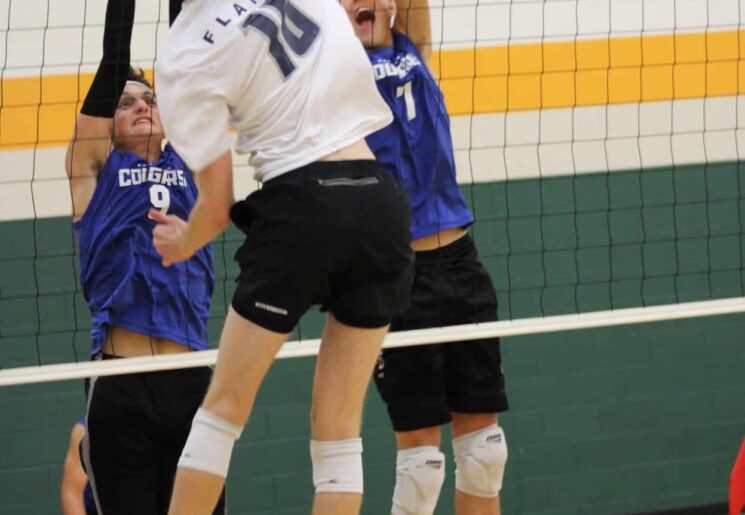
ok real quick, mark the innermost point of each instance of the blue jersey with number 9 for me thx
(417, 147)
(121, 273)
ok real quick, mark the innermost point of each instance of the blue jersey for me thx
(417, 147)
(121, 273)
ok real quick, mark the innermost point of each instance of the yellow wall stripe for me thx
(41, 111)
(592, 72)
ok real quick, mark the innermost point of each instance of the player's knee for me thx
(337, 465)
(210, 444)
(225, 400)
(420, 472)
(480, 459)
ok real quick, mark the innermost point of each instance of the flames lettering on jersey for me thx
(134, 176)
(209, 36)
(400, 68)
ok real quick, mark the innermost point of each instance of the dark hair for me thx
(137, 75)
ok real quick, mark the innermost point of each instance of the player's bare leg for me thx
(428, 436)
(343, 371)
(245, 355)
(465, 504)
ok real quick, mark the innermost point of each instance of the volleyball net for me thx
(598, 144)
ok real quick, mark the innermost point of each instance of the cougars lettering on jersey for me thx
(417, 148)
(400, 68)
(122, 277)
(152, 174)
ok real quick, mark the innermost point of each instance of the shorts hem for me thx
(414, 420)
(361, 321)
(432, 420)
(275, 327)
(493, 404)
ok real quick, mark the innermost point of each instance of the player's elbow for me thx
(68, 164)
(222, 219)
(219, 214)
(217, 205)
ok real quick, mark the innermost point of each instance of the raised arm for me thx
(413, 19)
(90, 144)
(174, 7)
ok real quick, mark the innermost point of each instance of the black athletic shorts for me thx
(422, 385)
(137, 425)
(334, 233)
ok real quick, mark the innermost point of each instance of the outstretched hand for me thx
(168, 237)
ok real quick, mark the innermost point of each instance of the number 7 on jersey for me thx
(408, 94)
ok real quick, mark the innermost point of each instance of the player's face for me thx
(137, 115)
(371, 20)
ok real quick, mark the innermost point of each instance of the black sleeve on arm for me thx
(174, 7)
(111, 77)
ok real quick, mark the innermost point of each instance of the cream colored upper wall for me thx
(458, 23)
(488, 147)
(64, 36)
(61, 36)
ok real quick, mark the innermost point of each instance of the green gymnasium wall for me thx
(605, 421)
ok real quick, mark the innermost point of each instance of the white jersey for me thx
(289, 76)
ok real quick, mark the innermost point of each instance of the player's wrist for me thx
(185, 247)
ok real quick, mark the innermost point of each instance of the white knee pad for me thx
(420, 473)
(337, 465)
(480, 458)
(210, 444)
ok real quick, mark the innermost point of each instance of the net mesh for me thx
(598, 144)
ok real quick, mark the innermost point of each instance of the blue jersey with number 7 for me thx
(417, 147)
(121, 274)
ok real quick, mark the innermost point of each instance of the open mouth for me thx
(363, 15)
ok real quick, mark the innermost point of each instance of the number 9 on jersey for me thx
(160, 197)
